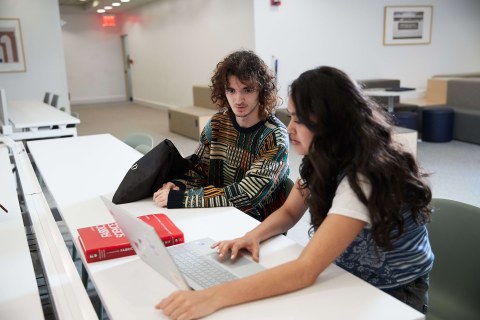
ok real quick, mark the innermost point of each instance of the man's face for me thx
(243, 99)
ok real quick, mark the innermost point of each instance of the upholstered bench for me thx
(282, 115)
(190, 121)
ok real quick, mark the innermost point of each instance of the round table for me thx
(381, 92)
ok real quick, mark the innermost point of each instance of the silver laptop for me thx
(192, 265)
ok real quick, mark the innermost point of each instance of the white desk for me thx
(33, 119)
(19, 296)
(78, 170)
(381, 92)
(69, 298)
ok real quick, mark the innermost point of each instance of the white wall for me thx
(177, 43)
(44, 57)
(348, 34)
(94, 60)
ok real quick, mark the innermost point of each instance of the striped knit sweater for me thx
(242, 167)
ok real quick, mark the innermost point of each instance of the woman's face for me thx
(300, 136)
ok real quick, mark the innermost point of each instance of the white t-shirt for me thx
(410, 257)
(346, 202)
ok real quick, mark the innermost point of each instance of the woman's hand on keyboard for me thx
(231, 248)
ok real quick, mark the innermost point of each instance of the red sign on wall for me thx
(109, 21)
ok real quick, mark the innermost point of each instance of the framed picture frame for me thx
(405, 25)
(12, 57)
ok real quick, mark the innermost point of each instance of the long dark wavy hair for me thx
(249, 69)
(352, 137)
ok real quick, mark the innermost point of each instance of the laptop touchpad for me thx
(239, 262)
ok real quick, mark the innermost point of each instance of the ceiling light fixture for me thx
(107, 7)
(115, 4)
(101, 10)
(124, 0)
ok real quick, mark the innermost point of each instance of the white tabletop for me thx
(381, 92)
(19, 296)
(78, 170)
(31, 113)
(66, 291)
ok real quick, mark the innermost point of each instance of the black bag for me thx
(161, 164)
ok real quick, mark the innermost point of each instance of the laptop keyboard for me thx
(199, 268)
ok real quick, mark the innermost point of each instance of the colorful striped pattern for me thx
(244, 168)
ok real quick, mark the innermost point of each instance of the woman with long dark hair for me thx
(367, 198)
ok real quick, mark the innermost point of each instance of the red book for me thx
(166, 229)
(107, 241)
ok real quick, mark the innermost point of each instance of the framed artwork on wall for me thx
(407, 25)
(12, 58)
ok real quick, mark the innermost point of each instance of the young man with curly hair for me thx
(243, 148)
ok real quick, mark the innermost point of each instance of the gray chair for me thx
(46, 98)
(136, 139)
(4, 122)
(54, 102)
(455, 280)
(143, 148)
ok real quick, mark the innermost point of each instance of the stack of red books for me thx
(107, 241)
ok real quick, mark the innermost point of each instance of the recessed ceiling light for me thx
(107, 7)
(124, 0)
(115, 4)
(100, 10)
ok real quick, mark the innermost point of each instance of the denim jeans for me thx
(415, 293)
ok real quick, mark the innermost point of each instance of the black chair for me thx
(289, 187)
(46, 98)
(54, 102)
(454, 280)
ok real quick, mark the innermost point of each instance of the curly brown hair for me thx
(352, 136)
(249, 69)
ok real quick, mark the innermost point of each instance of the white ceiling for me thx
(93, 5)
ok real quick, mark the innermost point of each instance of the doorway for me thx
(127, 62)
